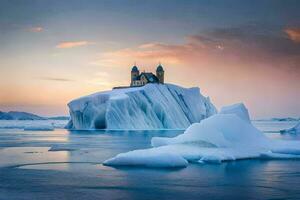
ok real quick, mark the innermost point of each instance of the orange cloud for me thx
(72, 44)
(36, 29)
(293, 34)
(194, 48)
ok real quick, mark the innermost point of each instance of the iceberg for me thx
(225, 136)
(153, 106)
(294, 130)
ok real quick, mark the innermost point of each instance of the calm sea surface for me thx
(73, 170)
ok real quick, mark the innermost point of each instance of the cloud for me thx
(72, 44)
(247, 46)
(36, 29)
(55, 79)
(194, 48)
(254, 37)
(293, 34)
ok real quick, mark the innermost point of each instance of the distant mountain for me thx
(15, 115)
(5, 116)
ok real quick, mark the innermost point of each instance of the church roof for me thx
(151, 78)
(159, 68)
(134, 69)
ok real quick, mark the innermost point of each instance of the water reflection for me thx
(14, 156)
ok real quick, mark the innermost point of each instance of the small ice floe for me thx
(294, 130)
(226, 136)
(33, 124)
(62, 148)
(39, 128)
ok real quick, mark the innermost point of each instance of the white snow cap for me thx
(221, 137)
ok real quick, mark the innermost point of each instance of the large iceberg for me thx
(226, 136)
(153, 106)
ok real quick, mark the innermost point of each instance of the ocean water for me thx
(63, 164)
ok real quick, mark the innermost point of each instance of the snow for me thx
(239, 109)
(222, 137)
(294, 130)
(153, 106)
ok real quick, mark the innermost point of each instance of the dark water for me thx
(29, 171)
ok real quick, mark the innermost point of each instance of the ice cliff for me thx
(153, 106)
(226, 136)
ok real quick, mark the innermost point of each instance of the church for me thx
(140, 79)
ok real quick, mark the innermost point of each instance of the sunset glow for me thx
(51, 54)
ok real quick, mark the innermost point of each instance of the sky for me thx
(235, 51)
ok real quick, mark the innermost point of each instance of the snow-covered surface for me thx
(221, 137)
(33, 124)
(153, 106)
(239, 109)
(294, 130)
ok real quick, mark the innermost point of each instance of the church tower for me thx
(160, 73)
(134, 74)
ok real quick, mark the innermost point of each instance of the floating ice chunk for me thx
(294, 130)
(287, 150)
(221, 137)
(32, 124)
(272, 155)
(39, 128)
(239, 109)
(62, 148)
(147, 158)
(211, 159)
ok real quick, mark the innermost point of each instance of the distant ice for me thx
(58, 147)
(39, 128)
(15, 115)
(294, 130)
(239, 109)
(226, 136)
(33, 124)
